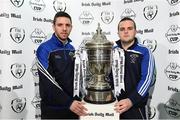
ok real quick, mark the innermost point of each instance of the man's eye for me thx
(131, 28)
(59, 25)
(122, 29)
(68, 25)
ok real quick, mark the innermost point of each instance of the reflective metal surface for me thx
(99, 91)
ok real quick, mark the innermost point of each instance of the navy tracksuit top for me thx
(139, 73)
(58, 60)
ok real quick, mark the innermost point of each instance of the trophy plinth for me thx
(99, 90)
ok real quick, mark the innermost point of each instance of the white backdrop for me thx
(27, 23)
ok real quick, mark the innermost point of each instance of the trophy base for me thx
(100, 112)
(99, 96)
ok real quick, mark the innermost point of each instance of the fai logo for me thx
(86, 18)
(59, 5)
(18, 104)
(38, 36)
(37, 5)
(172, 71)
(17, 3)
(173, 34)
(107, 16)
(151, 112)
(36, 101)
(151, 44)
(18, 70)
(128, 13)
(172, 108)
(173, 2)
(150, 12)
(17, 34)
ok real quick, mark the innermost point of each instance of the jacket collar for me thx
(57, 41)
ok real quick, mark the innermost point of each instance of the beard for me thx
(129, 41)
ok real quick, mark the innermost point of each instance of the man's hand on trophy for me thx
(123, 105)
(78, 108)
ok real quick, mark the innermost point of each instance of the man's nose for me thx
(126, 31)
(64, 28)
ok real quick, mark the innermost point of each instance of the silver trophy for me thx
(98, 88)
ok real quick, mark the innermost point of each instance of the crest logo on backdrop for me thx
(59, 5)
(36, 101)
(86, 18)
(150, 12)
(38, 36)
(37, 5)
(17, 3)
(151, 44)
(18, 104)
(34, 69)
(172, 71)
(151, 112)
(172, 107)
(128, 13)
(17, 34)
(173, 2)
(18, 70)
(107, 16)
(173, 34)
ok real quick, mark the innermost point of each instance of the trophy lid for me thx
(99, 40)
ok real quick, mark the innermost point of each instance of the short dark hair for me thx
(127, 18)
(61, 14)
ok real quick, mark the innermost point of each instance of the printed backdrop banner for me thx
(25, 24)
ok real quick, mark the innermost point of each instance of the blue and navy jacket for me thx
(57, 59)
(139, 73)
